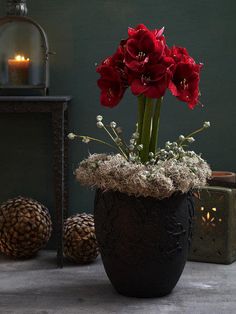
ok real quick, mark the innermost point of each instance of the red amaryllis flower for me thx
(144, 62)
(185, 83)
(143, 47)
(113, 81)
(153, 82)
(111, 84)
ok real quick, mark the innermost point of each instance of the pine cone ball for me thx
(25, 227)
(80, 244)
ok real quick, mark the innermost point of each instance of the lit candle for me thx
(18, 70)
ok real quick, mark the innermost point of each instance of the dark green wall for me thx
(83, 33)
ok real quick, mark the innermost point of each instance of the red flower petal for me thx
(147, 42)
(159, 33)
(138, 88)
(173, 89)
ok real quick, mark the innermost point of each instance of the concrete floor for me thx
(38, 287)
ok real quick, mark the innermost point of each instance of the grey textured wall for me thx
(83, 33)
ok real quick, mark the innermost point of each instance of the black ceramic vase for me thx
(143, 241)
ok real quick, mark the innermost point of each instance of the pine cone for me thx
(25, 227)
(80, 244)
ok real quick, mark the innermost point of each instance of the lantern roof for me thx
(17, 7)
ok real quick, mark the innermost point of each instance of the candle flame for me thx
(208, 219)
(21, 58)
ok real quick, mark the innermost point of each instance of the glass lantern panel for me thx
(22, 55)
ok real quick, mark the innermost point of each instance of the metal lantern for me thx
(24, 53)
(214, 232)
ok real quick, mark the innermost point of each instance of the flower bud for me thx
(181, 137)
(86, 139)
(190, 139)
(131, 158)
(99, 118)
(119, 130)
(113, 125)
(71, 136)
(118, 140)
(131, 147)
(191, 153)
(151, 155)
(135, 135)
(100, 124)
(140, 147)
(206, 124)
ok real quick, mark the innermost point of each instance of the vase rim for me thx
(222, 174)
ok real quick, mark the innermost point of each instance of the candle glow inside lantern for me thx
(24, 53)
(214, 230)
(18, 70)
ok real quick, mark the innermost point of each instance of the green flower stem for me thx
(125, 146)
(119, 148)
(146, 129)
(141, 109)
(195, 132)
(155, 126)
(191, 134)
(96, 140)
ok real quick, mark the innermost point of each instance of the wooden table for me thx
(57, 107)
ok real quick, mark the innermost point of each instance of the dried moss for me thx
(113, 172)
